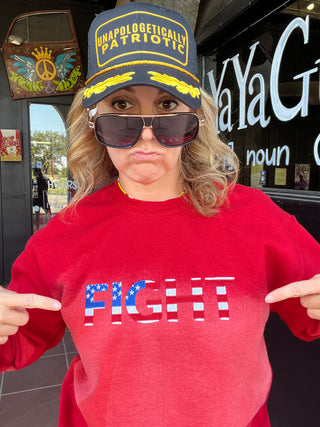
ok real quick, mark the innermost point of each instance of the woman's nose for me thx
(147, 134)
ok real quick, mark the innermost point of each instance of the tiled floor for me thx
(30, 397)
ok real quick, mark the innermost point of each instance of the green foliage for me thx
(50, 149)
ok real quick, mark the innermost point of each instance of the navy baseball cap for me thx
(141, 44)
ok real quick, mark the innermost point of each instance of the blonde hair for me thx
(208, 165)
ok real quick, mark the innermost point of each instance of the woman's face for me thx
(147, 165)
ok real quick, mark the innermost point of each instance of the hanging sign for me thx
(42, 68)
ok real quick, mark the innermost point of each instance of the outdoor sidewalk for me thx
(30, 397)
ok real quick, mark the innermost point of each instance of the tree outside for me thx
(49, 148)
(49, 175)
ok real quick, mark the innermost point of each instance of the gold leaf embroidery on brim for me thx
(178, 84)
(111, 81)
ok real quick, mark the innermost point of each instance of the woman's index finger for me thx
(295, 290)
(15, 300)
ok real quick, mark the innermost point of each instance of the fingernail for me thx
(56, 305)
(268, 299)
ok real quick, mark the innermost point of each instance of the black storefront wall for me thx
(276, 137)
(15, 177)
(15, 203)
(265, 80)
(253, 124)
(14, 185)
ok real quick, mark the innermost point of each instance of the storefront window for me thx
(52, 187)
(267, 87)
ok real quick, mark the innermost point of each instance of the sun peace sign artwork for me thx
(40, 60)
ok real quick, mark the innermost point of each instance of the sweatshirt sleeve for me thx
(45, 328)
(302, 263)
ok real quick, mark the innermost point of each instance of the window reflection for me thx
(52, 187)
(266, 84)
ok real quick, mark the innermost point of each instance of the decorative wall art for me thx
(10, 145)
(42, 55)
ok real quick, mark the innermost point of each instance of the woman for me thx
(161, 276)
(203, 169)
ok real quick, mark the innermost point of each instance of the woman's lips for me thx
(141, 155)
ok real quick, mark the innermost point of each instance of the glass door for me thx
(51, 186)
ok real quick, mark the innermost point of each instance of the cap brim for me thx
(177, 83)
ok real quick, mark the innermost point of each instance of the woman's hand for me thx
(307, 290)
(13, 311)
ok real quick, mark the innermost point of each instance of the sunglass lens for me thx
(176, 130)
(118, 131)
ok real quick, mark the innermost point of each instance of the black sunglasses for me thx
(124, 130)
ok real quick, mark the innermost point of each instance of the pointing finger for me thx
(14, 300)
(295, 290)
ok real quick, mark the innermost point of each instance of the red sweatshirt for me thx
(165, 307)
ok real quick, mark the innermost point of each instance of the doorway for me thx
(52, 187)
